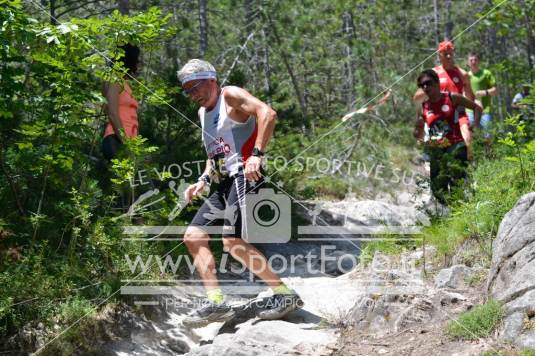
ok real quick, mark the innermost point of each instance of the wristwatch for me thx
(205, 178)
(257, 153)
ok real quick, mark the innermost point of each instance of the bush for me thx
(476, 323)
(497, 185)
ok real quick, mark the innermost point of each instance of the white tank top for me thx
(225, 139)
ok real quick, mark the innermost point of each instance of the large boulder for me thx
(268, 338)
(512, 275)
(399, 299)
(375, 212)
(454, 276)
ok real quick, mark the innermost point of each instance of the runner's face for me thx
(429, 86)
(194, 89)
(473, 62)
(446, 57)
(197, 90)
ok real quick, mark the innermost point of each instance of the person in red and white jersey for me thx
(447, 134)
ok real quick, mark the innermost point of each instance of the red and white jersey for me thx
(226, 139)
(443, 120)
(451, 80)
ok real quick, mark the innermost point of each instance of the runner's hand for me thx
(194, 190)
(252, 168)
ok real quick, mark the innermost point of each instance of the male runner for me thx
(484, 85)
(452, 78)
(237, 128)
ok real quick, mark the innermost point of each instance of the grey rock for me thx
(444, 298)
(269, 338)
(513, 329)
(375, 212)
(421, 311)
(511, 278)
(450, 277)
(522, 303)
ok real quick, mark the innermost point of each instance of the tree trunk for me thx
(52, 10)
(293, 78)
(250, 17)
(349, 84)
(530, 42)
(267, 68)
(493, 57)
(436, 15)
(124, 7)
(203, 28)
(305, 82)
(448, 30)
(505, 93)
(249, 26)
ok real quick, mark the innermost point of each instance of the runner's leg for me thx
(196, 240)
(251, 258)
(241, 250)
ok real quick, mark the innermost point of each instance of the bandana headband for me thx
(199, 76)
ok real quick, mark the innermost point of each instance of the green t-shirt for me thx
(483, 80)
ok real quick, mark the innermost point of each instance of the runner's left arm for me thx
(241, 100)
(460, 100)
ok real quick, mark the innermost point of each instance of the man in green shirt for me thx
(484, 86)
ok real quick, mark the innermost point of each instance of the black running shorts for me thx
(226, 206)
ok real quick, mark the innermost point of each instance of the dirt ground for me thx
(422, 341)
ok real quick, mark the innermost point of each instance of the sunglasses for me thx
(426, 83)
(193, 89)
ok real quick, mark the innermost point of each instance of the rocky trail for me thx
(324, 271)
(391, 304)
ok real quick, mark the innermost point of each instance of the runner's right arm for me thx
(419, 126)
(419, 97)
(112, 92)
(194, 189)
(468, 92)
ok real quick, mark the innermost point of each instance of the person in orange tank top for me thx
(122, 106)
(452, 78)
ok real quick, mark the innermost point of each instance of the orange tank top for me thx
(127, 113)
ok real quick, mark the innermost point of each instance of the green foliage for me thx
(476, 323)
(495, 353)
(479, 215)
(56, 217)
(527, 352)
(387, 244)
(363, 155)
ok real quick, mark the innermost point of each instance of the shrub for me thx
(476, 323)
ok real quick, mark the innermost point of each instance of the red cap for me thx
(445, 46)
